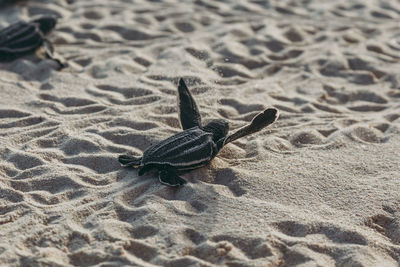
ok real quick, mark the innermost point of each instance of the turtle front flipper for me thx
(260, 121)
(49, 50)
(169, 177)
(189, 114)
(130, 161)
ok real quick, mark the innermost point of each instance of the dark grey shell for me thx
(19, 38)
(189, 149)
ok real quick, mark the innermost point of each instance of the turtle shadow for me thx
(213, 175)
(210, 176)
(127, 173)
(31, 67)
(229, 178)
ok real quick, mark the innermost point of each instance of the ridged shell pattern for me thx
(191, 148)
(22, 37)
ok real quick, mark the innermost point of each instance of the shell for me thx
(18, 39)
(189, 149)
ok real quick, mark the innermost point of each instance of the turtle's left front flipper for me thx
(169, 177)
(49, 49)
(189, 114)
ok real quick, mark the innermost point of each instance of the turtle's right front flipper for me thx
(130, 161)
(169, 177)
(261, 120)
(51, 54)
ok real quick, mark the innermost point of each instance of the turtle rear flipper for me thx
(169, 177)
(260, 121)
(130, 161)
(189, 114)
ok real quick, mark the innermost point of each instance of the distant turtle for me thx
(196, 145)
(23, 37)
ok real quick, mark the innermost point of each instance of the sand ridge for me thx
(319, 187)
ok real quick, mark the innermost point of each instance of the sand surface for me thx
(320, 187)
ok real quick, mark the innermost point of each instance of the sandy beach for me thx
(319, 187)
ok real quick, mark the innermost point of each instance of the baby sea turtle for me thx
(196, 145)
(23, 37)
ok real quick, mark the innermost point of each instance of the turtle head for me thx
(46, 23)
(219, 129)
